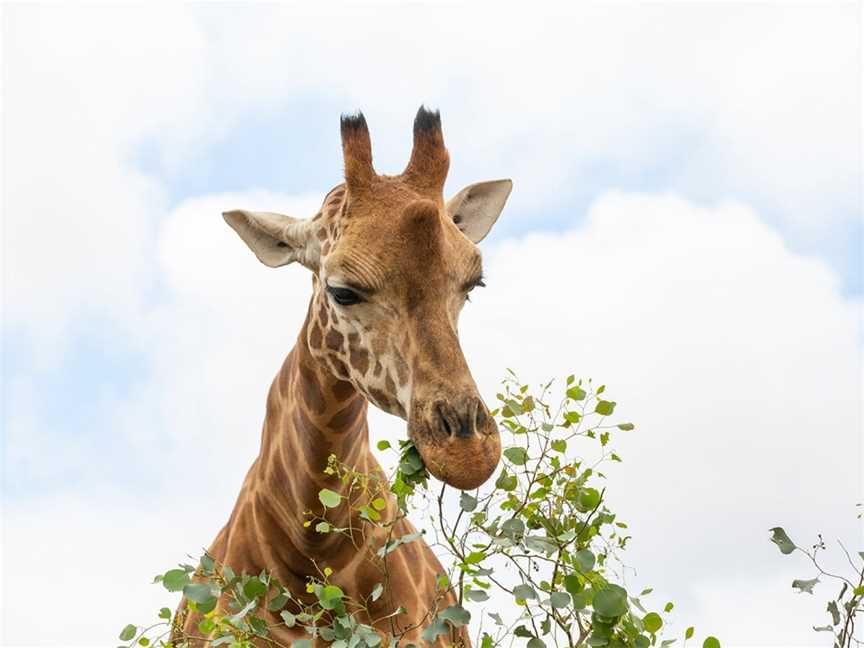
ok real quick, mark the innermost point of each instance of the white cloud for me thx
(80, 91)
(761, 100)
(735, 357)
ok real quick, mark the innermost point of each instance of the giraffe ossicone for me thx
(392, 264)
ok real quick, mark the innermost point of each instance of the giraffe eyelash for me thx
(477, 283)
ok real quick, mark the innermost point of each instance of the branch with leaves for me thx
(844, 609)
(534, 556)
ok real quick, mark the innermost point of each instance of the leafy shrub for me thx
(540, 542)
(845, 608)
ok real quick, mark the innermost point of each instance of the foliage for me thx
(848, 605)
(539, 542)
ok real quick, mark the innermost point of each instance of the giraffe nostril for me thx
(480, 414)
(445, 422)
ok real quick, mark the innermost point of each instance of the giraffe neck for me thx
(311, 415)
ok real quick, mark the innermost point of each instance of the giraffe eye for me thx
(477, 283)
(344, 296)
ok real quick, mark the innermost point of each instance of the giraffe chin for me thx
(462, 463)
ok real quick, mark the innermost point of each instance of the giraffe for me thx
(392, 264)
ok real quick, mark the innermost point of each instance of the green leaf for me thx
(477, 595)
(572, 584)
(301, 643)
(522, 631)
(506, 482)
(668, 607)
(605, 408)
(383, 445)
(259, 627)
(711, 642)
(559, 445)
(513, 527)
(323, 527)
(779, 537)
(289, 619)
(834, 611)
(475, 557)
(379, 504)
(516, 456)
(524, 591)
(206, 626)
(434, 630)
(535, 642)
(584, 560)
(128, 632)
(207, 564)
(278, 602)
(576, 393)
(805, 585)
(330, 597)
(652, 622)
(165, 613)
(198, 592)
(588, 500)
(175, 580)
(377, 591)
(626, 426)
(456, 615)
(467, 503)
(572, 417)
(611, 601)
(559, 599)
(688, 633)
(329, 499)
(253, 588)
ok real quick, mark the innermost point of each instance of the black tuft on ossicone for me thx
(426, 120)
(353, 123)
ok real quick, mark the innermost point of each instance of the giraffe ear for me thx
(275, 239)
(476, 208)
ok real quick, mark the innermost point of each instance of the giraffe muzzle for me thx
(458, 440)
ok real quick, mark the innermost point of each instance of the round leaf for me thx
(128, 632)
(467, 502)
(516, 456)
(456, 615)
(198, 592)
(652, 622)
(524, 591)
(559, 599)
(329, 498)
(611, 602)
(175, 580)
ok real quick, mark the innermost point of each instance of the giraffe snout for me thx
(457, 439)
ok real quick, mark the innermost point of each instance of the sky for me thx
(685, 226)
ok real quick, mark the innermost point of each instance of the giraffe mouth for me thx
(460, 454)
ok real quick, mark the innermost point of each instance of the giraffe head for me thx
(392, 266)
